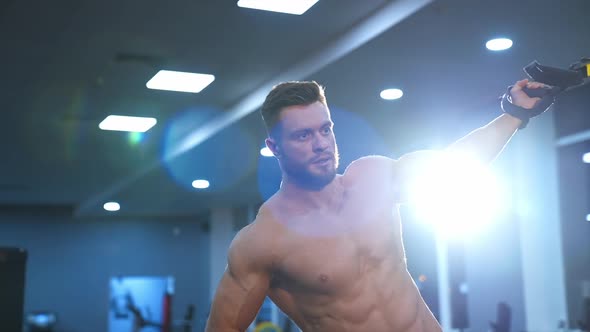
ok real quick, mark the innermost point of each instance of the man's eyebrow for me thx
(300, 130)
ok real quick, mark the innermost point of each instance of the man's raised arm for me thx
(243, 287)
(483, 144)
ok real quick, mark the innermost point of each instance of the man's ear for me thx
(273, 146)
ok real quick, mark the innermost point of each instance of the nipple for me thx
(323, 278)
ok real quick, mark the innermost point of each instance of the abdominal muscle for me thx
(376, 302)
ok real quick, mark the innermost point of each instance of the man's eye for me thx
(302, 136)
(327, 130)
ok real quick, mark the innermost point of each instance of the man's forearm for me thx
(487, 142)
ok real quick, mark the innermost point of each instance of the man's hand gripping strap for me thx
(547, 99)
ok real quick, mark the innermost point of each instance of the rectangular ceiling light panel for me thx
(127, 123)
(295, 7)
(179, 81)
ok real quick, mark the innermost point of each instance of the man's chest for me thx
(336, 254)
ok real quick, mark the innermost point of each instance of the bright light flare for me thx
(456, 195)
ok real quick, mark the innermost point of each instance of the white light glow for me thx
(179, 81)
(201, 184)
(295, 7)
(265, 151)
(464, 288)
(456, 195)
(588, 217)
(391, 94)
(586, 157)
(112, 206)
(499, 44)
(127, 123)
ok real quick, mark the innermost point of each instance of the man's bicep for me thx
(236, 302)
(241, 291)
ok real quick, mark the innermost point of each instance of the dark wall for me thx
(574, 184)
(572, 117)
(571, 111)
(71, 262)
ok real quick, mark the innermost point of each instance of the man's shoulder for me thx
(263, 225)
(369, 162)
(260, 239)
(369, 167)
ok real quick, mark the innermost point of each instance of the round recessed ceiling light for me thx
(499, 44)
(201, 184)
(112, 206)
(391, 94)
(265, 151)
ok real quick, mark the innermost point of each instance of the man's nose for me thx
(320, 143)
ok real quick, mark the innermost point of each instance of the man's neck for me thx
(323, 198)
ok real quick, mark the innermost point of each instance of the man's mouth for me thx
(322, 160)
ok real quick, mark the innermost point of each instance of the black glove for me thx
(547, 96)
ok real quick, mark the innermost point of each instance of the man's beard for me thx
(302, 176)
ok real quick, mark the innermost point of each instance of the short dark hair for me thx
(289, 94)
